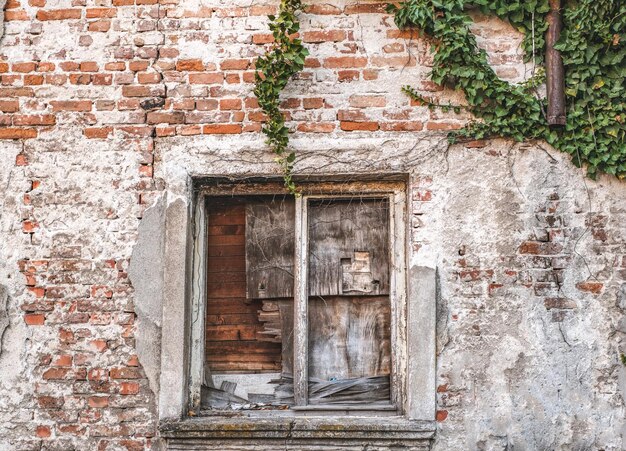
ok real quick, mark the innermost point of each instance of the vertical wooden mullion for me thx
(300, 342)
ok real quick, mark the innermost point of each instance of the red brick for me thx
(443, 125)
(313, 103)
(234, 64)
(540, 248)
(17, 133)
(590, 287)
(95, 13)
(45, 67)
(147, 78)
(9, 106)
(115, 66)
(102, 79)
(316, 127)
(56, 373)
(129, 388)
(353, 126)
(324, 36)
(69, 66)
(124, 373)
(50, 402)
(366, 8)
(99, 26)
(165, 131)
(262, 38)
(34, 319)
(441, 415)
(207, 78)
(336, 62)
(71, 105)
(80, 79)
(189, 130)
(4, 67)
(348, 75)
(137, 66)
(62, 360)
(395, 47)
(233, 78)
(402, 126)
(323, 9)
(97, 132)
(17, 92)
(194, 65)
(39, 119)
(143, 91)
(206, 104)
(33, 80)
(365, 101)
(11, 15)
(98, 401)
(58, 14)
(23, 67)
(221, 129)
(43, 431)
(230, 104)
(89, 66)
(155, 117)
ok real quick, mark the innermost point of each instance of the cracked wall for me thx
(110, 107)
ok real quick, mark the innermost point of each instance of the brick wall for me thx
(105, 102)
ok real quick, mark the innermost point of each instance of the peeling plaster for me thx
(146, 275)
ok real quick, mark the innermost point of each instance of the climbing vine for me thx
(274, 70)
(593, 47)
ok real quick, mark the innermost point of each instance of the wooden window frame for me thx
(395, 193)
(412, 298)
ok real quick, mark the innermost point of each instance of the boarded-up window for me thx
(250, 301)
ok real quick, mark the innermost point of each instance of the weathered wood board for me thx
(349, 337)
(270, 240)
(348, 247)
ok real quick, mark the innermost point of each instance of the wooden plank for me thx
(238, 318)
(349, 337)
(226, 264)
(226, 289)
(226, 251)
(245, 367)
(225, 307)
(236, 276)
(228, 229)
(270, 248)
(239, 348)
(348, 236)
(229, 332)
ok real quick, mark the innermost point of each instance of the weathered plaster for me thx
(146, 274)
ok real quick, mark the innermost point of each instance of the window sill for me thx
(299, 430)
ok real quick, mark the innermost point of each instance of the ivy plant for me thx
(273, 71)
(593, 47)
